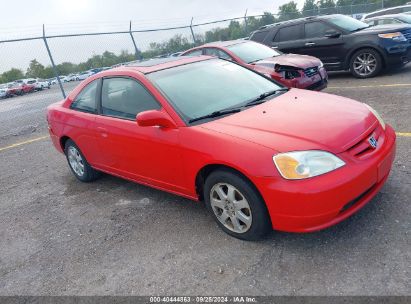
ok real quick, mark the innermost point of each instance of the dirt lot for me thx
(112, 237)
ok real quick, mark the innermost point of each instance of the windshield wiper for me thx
(359, 29)
(216, 114)
(260, 99)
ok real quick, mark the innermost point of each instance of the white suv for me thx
(403, 9)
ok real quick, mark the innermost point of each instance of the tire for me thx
(245, 216)
(366, 63)
(78, 163)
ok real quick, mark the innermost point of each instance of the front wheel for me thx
(78, 163)
(366, 63)
(236, 205)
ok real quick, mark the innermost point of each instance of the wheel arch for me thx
(63, 141)
(206, 170)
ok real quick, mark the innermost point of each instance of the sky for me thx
(75, 16)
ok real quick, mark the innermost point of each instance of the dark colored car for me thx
(341, 42)
(389, 19)
(293, 71)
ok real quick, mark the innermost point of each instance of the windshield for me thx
(347, 23)
(204, 87)
(252, 51)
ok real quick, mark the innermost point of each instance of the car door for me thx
(148, 154)
(80, 125)
(289, 39)
(324, 42)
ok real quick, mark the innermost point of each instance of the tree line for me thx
(235, 30)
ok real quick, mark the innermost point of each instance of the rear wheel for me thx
(78, 163)
(236, 205)
(366, 63)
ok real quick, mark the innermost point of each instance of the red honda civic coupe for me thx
(292, 70)
(261, 156)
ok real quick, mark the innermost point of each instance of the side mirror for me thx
(155, 118)
(332, 34)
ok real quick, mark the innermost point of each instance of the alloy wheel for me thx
(365, 64)
(76, 161)
(231, 207)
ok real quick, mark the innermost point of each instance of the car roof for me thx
(298, 20)
(224, 43)
(386, 16)
(153, 65)
(386, 9)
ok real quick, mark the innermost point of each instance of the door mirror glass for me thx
(155, 118)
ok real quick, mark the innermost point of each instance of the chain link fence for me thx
(59, 54)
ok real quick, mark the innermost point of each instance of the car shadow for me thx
(386, 72)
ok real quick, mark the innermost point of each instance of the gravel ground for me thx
(113, 237)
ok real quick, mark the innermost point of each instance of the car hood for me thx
(382, 29)
(294, 60)
(300, 120)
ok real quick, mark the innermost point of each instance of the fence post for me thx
(192, 32)
(137, 54)
(56, 73)
(245, 23)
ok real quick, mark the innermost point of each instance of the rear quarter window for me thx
(288, 33)
(85, 101)
(196, 52)
(259, 36)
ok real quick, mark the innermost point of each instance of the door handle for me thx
(309, 44)
(103, 132)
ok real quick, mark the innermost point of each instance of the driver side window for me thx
(316, 30)
(125, 98)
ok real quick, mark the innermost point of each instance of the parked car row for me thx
(79, 76)
(341, 42)
(23, 86)
(298, 52)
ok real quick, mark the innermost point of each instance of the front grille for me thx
(363, 147)
(311, 71)
(407, 34)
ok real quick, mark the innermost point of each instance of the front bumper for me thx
(317, 82)
(399, 58)
(320, 202)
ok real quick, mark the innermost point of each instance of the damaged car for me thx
(292, 70)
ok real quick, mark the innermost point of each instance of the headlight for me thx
(397, 36)
(379, 118)
(321, 65)
(305, 164)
